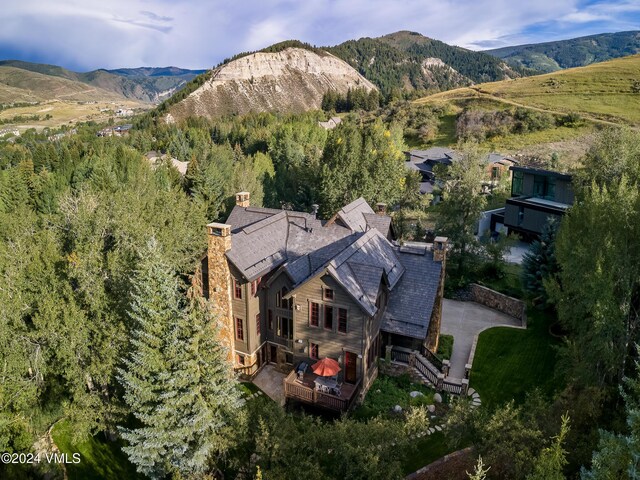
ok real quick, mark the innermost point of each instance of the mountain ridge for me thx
(556, 55)
(146, 84)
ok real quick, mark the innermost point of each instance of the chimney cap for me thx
(219, 229)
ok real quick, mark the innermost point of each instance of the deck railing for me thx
(436, 376)
(306, 394)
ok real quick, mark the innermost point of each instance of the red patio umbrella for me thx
(327, 367)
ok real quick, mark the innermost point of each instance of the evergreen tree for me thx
(177, 379)
(155, 308)
(618, 454)
(539, 264)
(480, 472)
(203, 399)
(552, 460)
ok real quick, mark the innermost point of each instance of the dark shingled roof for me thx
(411, 302)
(354, 250)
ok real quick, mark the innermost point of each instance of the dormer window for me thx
(328, 294)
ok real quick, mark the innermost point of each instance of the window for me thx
(288, 358)
(314, 351)
(314, 314)
(239, 329)
(520, 215)
(240, 359)
(544, 187)
(516, 184)
(257, 324)
(285, 327)
(286, 303)
(342, 320)
(270, 319)
(237, 289)
(328, 294)
(328, 317)
(254, 287)
(278, 299)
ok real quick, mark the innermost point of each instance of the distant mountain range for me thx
(399, 61)
(25, 81)
(576, 52)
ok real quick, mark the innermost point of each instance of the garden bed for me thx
(387, 392)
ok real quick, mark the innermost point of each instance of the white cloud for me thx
(199, 33)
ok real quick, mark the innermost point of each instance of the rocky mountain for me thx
(151, 85)
(576, 52)
(287, 80)
(409, 60)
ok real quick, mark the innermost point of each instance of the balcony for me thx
(304, 390)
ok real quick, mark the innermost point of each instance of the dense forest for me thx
(99, 327)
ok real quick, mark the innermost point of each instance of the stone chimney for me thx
(220, 283)
(381, 208)
(440, 248)
(243, 199)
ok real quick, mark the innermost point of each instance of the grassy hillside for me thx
(576, 52)
(144, 84)
(602, 92)
(19, 85)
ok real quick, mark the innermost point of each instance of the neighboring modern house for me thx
(290, 289)
(330, 124)
(424, 161)
(536, 195)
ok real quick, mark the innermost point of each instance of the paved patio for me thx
(464, 320)
(270, 381)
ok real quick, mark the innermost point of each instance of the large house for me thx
(536, 195)
(291, 289)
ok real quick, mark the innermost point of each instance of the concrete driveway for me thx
(464, 320)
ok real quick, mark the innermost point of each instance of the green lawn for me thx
(509, 283)
(510, 362)
(445, 347)
(99, 458)
(428, 449)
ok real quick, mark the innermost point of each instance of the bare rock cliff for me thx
(292, 80)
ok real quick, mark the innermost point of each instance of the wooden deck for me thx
(304, 391)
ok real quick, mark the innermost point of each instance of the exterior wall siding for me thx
(331, 343)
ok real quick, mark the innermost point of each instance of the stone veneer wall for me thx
(433, 334)
(220, 288)
(498, 301)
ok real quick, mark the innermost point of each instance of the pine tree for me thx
(539, 263)
(177, 380)
(146, 373)
(203, 398)
(553, 459)
(480, 472)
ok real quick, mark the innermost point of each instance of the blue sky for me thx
(88, 34)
